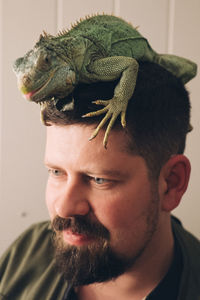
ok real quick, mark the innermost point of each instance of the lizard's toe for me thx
(95, 113)
(102, 102)
(101, 124)
(123, 119)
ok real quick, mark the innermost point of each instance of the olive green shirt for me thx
(28, 272)
(27, 269)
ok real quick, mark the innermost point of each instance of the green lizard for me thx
(98, 48)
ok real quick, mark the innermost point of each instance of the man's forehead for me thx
(120, 139)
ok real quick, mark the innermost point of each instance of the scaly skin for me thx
(100, 48)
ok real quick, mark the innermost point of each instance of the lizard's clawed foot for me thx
(112, 109)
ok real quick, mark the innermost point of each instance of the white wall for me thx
(170, 26)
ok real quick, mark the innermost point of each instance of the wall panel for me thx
(187, 44)
(1, 97)
(23, 175)
(151, 17)
(73, 11)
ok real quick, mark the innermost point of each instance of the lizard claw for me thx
(95, 113)
(100, 111)
(108, 129)
(112, 111)
(101, 102)
(123, 119)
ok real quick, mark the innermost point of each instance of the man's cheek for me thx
(110, 218)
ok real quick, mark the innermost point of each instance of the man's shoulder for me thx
(185, 238)
(32, 234)
(36, 230)
(35, 239)
(190, 250)
(27, 268)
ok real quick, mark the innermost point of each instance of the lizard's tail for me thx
(181, 67)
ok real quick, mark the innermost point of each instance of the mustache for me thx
(80, 225)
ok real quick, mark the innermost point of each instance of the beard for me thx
(97, 261)
(83, 265)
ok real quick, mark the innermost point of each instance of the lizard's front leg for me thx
(107, 69)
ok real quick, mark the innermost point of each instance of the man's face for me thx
(101, 201)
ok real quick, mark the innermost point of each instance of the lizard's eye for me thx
(46, 59)
(44, 62)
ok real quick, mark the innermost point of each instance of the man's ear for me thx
(173, 181)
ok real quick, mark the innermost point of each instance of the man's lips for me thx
(76, 239)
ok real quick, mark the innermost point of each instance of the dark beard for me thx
(96, 262)
(87, 264)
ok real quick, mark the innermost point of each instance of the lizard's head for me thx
(44, 73)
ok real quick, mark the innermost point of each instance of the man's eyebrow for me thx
(47, 163)
(108, 172)
(51, 165)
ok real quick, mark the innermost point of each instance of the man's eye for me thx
(54, 172)
(99, 180)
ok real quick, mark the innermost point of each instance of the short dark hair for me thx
(158, 114)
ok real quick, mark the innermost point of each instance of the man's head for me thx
(157, 117)
(108, 213)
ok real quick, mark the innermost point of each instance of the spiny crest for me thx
(83, 19)
(73, 25)
(62, 32)
(44, 36)
(136, 28)
(45, 39)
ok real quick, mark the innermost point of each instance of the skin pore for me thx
(112, 187)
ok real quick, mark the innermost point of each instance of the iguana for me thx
(98, 48)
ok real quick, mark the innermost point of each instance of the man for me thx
(111, 234)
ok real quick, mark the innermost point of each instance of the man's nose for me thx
(72, 200)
